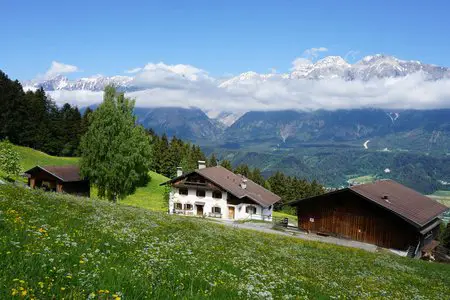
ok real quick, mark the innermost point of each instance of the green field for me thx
(362, 179)
(57, 246)
(30, 158)
(151, 196)
(442, 196)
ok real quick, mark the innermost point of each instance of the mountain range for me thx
(369, 68)
(328, 145)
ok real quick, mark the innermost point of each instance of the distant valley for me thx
(330, 146)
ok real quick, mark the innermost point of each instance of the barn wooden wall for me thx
(346, 215)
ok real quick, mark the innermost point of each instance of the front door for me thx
(230, 212)
(199, 210)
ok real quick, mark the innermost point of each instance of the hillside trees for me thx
(33, 120)
(9, 160)
(115, 153)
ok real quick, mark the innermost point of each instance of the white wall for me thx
(210, 202)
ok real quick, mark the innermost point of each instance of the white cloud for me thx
(59, 68)
(307, 58)
(163, 85)
(132, 71)
(313, 53)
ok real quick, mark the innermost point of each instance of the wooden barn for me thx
(61, 179)
(384, 213)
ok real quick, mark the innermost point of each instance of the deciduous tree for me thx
(115, 152)
(9, 159)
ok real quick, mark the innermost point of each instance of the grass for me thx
(281, 215)
(55, 246)
(362, 179)
(30, 158)
(442, 196)
(151, 196)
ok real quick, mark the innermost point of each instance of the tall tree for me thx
(256, 176)
(243, 169)
(226, 164)
(115, 153)
(212, 162)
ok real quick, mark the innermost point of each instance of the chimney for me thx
(179, 171)
(201, 164)
(244, 183)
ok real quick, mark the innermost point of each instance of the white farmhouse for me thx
(218, 192)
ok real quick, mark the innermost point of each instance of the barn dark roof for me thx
(401, 200)
(231, 183)
(69, 173)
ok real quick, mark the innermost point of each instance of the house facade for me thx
(384, 213)
(219, 193)
(60, 179)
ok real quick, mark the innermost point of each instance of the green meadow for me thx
(57, 246)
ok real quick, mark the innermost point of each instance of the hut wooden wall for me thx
(347, 215)
(79, 188)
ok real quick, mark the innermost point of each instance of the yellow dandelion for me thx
(14, 292)
(81, 261)
(24, 293)
(42, 230)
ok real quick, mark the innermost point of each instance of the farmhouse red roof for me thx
(401, 200)
(231, 183)
(67, 173)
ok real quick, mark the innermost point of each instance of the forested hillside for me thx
(33, 120)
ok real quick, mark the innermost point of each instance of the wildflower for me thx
(24, 293)
(63, 289)
(41, 284)
(69, 276)
(81, 261)
(42, 230)
(14, 292)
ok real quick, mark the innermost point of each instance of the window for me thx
(183, 191)
(250, 210)
(217, 194)
(188, 207)
(216, 210)
(178, 206)
(200, 193)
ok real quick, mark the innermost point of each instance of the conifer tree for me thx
(226, 164)
(212, 162)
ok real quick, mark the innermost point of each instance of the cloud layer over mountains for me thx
(330, 83)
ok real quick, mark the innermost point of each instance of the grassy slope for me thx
(62, 246)
(442, 196)
(30, 158)
(150, 196)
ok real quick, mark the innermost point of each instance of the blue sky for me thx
(222, 37)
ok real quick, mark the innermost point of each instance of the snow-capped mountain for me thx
(332, 67)
(94, 83)
(224, 118)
